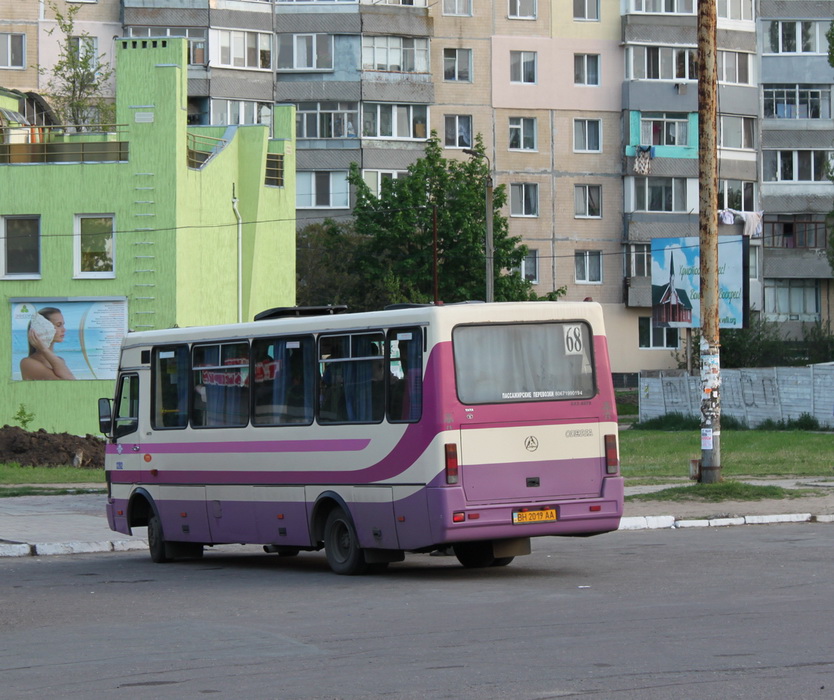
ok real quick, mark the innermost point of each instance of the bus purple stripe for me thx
(240, 447)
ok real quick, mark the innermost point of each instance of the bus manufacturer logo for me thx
(531, 444)
(584, 432)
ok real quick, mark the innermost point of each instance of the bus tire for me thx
(474, 555)
(341, 546)
(502, 561)
(156, 541)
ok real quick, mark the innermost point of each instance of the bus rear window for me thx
(523, 362)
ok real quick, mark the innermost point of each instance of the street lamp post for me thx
(488, 247)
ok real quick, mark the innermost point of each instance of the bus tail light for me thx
(451, 463)
(612, 459)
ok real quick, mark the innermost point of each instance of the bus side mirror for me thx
(105, 416)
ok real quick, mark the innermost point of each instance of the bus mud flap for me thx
(516, 547)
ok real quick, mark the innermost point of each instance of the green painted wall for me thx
(176, 242)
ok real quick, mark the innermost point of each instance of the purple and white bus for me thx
(472, 426)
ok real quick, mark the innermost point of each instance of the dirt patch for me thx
(43, 449)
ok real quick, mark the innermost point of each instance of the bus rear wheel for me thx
(156, 541)
(475, 555)
(341, 546)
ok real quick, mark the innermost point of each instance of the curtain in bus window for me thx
(289, 382)
(227, 386)
(405, 353)
(364, 380)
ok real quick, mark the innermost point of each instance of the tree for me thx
(76, 82)
(396, 261)
(325, 263)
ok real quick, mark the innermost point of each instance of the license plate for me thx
(534, 516)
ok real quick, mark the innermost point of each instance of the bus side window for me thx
(405, 361)
(221, 385)
(126, 418)
(170, 387)
(284, 381)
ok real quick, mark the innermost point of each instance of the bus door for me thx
(126, 434)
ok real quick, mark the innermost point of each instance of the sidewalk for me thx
(47, 525)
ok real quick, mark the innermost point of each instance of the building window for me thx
(196, 36)
(274, 173)
(522, 9)
(530, 267)
(585, 69)
(588, 266)
(737, 194)
(225, 112)
(655, 337)
(395, 53)
(12, 52)
(587, 135)
(664, 129)
(306, 51)
(734, 67)
(523, 67)
(522, 133)
(754, 261)
(586, 9)
(677, 7)
(458, 131)
(660, 194)
(376, 179)
(245, 49)
(460, 8)
(805, 36)
(795, 166)
(639, 260)
(587, 201)
(805, 231)
(326, 120)
(735, 9)
(737, 132)
(457, 65)
(524, 199)
(797, 101)
(94, 245)
(321, 189)
(394, 121)
(661, 63)
(21, 241)
(791, 300)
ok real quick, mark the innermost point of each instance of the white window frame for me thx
(457, 131)
(586, 10)
(678, 190)
(374, 178)
(663, 62)
(374, 114)
(460, 63)
(78, 273)
(657, 7)
(307, 52)
(518, 62)
(235, 42)
(782, 167)
(657, 343)
(524, 129)
(232, 112)
(745, 127)
(583, 266)
(529, 267)
(734, 67)
(791, 299)
(457, 8)
(4, 248)
(8, 50)
(341, 120)
(582, 73)
(581, 133)
(783, 32)
(309, 185)
(789, 99)
(672, 124)
(396, 54)
(582, 200)
(639, 260)
(747, 192)
(522, 9)
(727, 9)
(197, 39)
(524, 199)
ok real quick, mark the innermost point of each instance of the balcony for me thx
(99, 143)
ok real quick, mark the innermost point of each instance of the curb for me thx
(45, 549)
(664, 522)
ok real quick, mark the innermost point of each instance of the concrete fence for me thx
(750, 395)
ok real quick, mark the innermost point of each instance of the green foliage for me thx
(325, 260)
(805, 422)
(818, 342)
(75, 83)
(671, 421)
(395, 263)
(760, 345)
(23, 417)
(724, 491)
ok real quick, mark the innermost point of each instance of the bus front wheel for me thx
(341, 546)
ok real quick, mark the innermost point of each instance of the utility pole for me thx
(710, 472)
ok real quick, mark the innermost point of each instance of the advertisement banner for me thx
(676, 282)
(67, 338)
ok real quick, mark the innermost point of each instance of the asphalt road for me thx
(744, 612)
